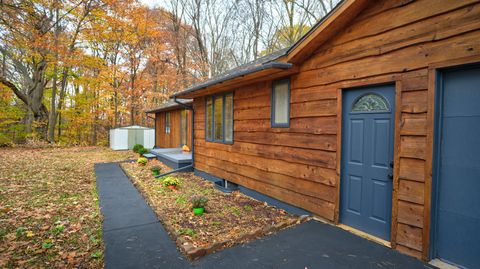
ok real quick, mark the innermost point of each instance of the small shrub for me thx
(142, 161)
(199, 201)
(142, 151)
(170, 181)
(137, 147)
(156, 169)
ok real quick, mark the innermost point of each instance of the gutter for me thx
(192, 131)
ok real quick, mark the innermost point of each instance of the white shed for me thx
(124, 138)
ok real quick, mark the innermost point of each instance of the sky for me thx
(154, 3)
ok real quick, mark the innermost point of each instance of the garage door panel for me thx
(463, 243)
(457, 234)
(461, 100)
(463, 132)
(455, 193)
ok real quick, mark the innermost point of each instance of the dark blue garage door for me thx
(367, 154)
(457, 227)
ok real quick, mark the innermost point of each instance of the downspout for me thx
(176, 170)
(193, 127)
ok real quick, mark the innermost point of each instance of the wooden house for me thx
(173, 124)
(370, 121)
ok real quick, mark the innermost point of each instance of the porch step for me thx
(149, 156)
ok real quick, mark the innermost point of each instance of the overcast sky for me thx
(154, 3)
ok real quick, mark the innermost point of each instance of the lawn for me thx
(49, 213)
(229, 219)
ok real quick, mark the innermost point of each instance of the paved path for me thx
(135, 239)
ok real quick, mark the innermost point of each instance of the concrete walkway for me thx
(135, 239)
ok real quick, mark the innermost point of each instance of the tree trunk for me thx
(63, 89)
(52, 119)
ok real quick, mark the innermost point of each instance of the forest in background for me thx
(72, 69)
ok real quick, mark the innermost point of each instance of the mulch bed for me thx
(229, 219)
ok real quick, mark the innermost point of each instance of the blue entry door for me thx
(457, 178)
(367, 159)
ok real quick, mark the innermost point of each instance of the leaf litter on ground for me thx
(49, 213)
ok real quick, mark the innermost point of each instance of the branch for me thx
(15, 90)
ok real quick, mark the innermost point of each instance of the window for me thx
(167, 122)
(280, 115)
(228, 134)
(208, 120)
(219, 118)
(183, 127)
(370, 102)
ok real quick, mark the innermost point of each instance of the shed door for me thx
(457, 238)
(131, 138)
(367, 154)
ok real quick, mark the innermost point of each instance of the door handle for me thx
(391, 164)
(390, 176)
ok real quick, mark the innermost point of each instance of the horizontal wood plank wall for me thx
(171, 140)
(160, 130)
(411, 157)
(298, 164)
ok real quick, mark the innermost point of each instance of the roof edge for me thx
(322, 31)
(316, 26)
(167, 108)
(269, 65)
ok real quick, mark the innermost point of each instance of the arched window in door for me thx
(371, 102)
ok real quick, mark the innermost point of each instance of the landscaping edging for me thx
(192, 252)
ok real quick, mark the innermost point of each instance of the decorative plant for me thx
(198, 204)
(142, 151)
(199, 201)
(142, 161)
(137, 147)
(156, 170)
(171, 182)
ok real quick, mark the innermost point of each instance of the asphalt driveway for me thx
(134, 238)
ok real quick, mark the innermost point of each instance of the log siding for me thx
(301, 164)
(171, 140)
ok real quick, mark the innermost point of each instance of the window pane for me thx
(371, 103)
(167, 122)
(208, 120)
(229, 118)
(183, 127)
(218, 118)
(281, 103)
